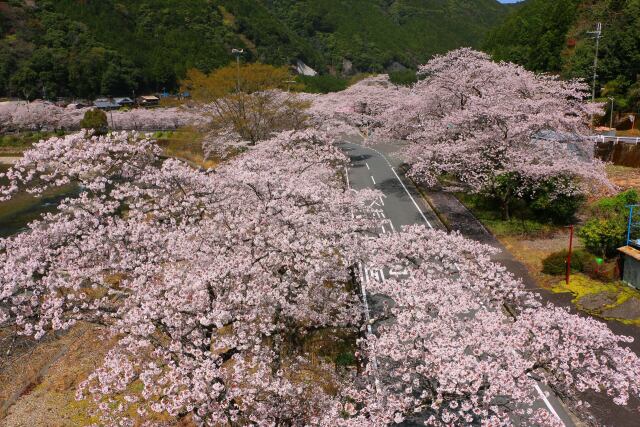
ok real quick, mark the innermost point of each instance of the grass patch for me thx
(490, 217)
(16, 143)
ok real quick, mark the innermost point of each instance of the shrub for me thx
(95, 119)
(607, 231)
(603, 236)
(559, 210)
(617, 204)
(345, 359)
(556, 263)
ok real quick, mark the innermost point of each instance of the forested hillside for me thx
(552, 35)
(90, 47)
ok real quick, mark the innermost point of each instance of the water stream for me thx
(23, 208)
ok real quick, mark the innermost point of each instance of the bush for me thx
(95, 119)
(603, 236)
(556, 263)
(345, 359)
(548, 204)
(607, 231)
(617, 204)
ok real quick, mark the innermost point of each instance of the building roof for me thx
(630, 251)
(150, 98)
(105, 103)
(124, 100)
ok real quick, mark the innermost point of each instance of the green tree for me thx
(95, 119)
(24, 83)
(606, 231)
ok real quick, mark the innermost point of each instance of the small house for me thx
(149, 101)
(124, 102)
(105, 104)
(631, 266)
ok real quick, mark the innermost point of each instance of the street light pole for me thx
(596, 34)
(237, 53)
(611, 114)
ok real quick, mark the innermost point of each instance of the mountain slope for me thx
(90, 47)
(553, 36)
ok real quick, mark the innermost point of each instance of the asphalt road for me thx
(401, 205)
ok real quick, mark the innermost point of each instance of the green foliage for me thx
(556, 263)
(603, 236)
(616, 205)
(323, 83)
(404, 78)
(535, 35)
(23, 140)
(345, 359)
(95, 119)
(547, 205)
(488, 211)
(112, 47)
(607, 230)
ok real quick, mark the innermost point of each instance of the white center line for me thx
(401, 183)
(373, 179)
(368, 168)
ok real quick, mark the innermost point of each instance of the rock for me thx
(597, 301)
(304, 70)
(395, 67)
(347, 67)
(628, 310)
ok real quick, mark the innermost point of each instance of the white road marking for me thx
(403, 186)
(368, 168)
(364, 269)
(546, 402)
(363, 290)
(412, 199)
(373, 180)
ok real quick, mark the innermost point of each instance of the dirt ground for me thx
(624, 177)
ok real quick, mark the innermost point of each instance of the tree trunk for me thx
(505, 210)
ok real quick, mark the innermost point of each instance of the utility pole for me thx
(611, 114)
(237, 53)
(597, 34)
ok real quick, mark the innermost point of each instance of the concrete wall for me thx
(622, 154)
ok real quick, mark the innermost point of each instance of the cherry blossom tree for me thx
(207, 279)
(362, 105)
(463, 343)
(204, 277)
(45, 116)
(497, 127)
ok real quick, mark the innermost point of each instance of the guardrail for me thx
(616, 139)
